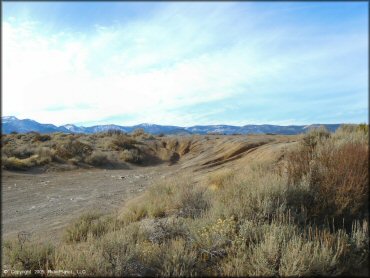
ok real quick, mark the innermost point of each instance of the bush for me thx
(41, 138)
(138, 132)
(21, 152)
(93, 224)
(132, 156)
(174, 197)
(24, 255)
(111, 132)
(98, 159)
(364, 128)
(315, 136)
(178, 260)
(123, 142)
(13, 163)
(45, 154)
(73, 148)
(219, 179)
(336, 172)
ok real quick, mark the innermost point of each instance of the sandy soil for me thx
(45, 203)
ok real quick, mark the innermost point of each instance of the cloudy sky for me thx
(185, 63)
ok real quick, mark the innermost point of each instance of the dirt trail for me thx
(47, 202)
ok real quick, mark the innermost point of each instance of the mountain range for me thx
(13, 124)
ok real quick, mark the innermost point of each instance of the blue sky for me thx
(184, 63)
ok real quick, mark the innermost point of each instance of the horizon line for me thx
(221, 124)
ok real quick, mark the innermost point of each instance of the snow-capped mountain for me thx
(11, 123)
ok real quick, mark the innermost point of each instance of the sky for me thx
(185, 63)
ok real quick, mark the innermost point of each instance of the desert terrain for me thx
(170, 205)
(43, 202)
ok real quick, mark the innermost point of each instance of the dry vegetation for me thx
(103, 150)
(305, 216)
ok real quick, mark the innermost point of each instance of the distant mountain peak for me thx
(146, 125)
(9, 118)
(11, 123)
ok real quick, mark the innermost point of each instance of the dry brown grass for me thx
(122, 141)
(98, 159)
(336, 171)
(72, 149)
(176, 196)
(132, 155)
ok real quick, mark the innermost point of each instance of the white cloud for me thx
(148, 69)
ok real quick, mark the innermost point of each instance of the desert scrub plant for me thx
(41, 137)
(26, 255)
(45, 154)
(213, 239)
(339, 179)
(21, 152)
(120, 251)
(364, 128)
(121, 142)
(283, 249)
(315, 136)
(82, 259)
(164, 229)
(132, 156)
(171, 197)
(73, 149)
(336, 172)
(221, 178)
(251, 195)
(93, 224)
(352, 133)
(138, 132)
(13, 163)
(97, 158)
(179, 259)
(111, 132)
